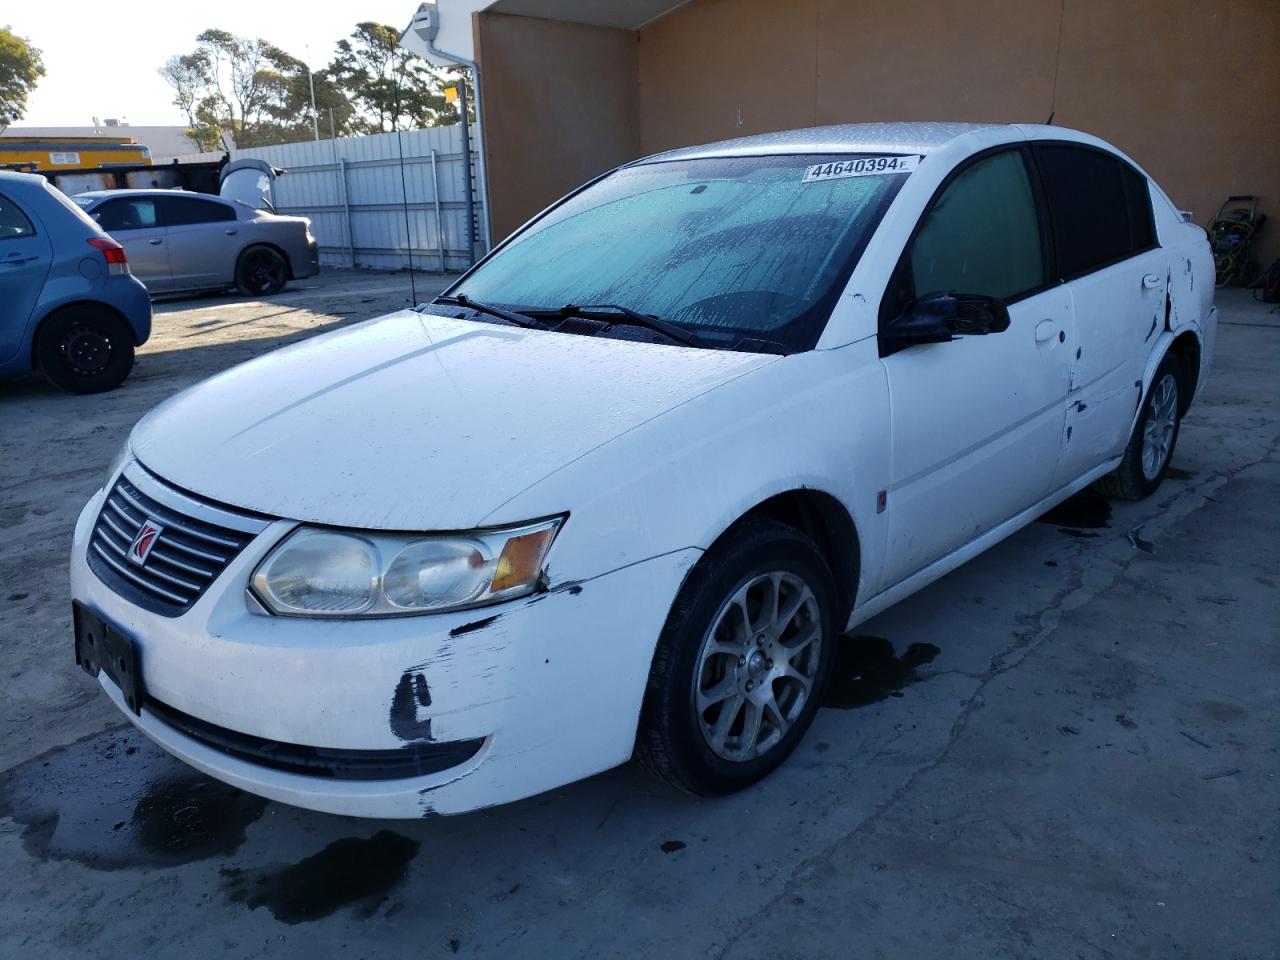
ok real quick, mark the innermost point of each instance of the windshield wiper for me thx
(519, 319)
(613, 313)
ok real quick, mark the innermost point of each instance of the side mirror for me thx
(940, 317)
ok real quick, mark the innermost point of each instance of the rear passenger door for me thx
(1118, 276)
(135, 224)
(204, 241)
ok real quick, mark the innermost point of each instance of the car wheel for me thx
(742, 662)
(260, 272)
(85, 349)
(1150, 449)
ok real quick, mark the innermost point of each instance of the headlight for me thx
(119, 460)
(319, 572)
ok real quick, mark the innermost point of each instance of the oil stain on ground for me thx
(114, 801)
(867, 671)
(1087, 510)
(346, 872)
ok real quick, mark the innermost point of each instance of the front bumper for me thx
(550, 684)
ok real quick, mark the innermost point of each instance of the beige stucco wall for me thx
(1189, 88)
(560, 102)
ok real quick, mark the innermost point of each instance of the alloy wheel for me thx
(1158, 430)
(757, 665)
(264, 271)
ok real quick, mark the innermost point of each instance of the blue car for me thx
(68, 304)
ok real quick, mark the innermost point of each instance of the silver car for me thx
(180, 241)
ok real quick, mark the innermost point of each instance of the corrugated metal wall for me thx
(352, 190)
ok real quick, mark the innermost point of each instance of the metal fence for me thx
(358, 196)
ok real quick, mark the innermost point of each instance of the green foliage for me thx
(20, 70)
(390, 88)
(242, 91)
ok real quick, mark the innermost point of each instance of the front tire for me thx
(742, 662)
(85, 349)
(1150, 449)
(261, 271)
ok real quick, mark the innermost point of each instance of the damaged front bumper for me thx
(400, 717)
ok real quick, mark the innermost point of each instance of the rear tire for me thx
(742, 662)
(1150, 449)
(85, 348)
(261, 271)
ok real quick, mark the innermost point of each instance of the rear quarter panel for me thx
(289, 235)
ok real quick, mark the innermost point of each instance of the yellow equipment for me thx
(71, 153)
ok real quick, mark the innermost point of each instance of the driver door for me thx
(976, 422)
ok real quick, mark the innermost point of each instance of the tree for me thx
(21, 68)
(188, 76)
(389, 87)
(242, 91)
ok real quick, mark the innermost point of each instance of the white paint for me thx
(427, 423)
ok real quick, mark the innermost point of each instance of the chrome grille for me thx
(186, 556)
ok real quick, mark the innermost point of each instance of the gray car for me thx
(180, 241)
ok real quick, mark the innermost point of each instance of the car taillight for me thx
(110, 249)
(117, 260)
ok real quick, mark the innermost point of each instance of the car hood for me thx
(414, 421)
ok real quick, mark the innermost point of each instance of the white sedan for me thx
(623, 486)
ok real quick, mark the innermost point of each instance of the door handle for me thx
(232, 233)
(15, 261)
(1045, 331)
(1150, 281)
(156, 242)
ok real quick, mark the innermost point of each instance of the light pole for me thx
(311, 82)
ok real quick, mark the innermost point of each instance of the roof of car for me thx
(147, 192)
(16, 176)
(920, 137)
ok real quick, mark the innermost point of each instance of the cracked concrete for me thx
(1087, 768)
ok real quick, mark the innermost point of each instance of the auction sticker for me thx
(860, 167)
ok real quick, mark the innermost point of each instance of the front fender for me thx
(817, 420)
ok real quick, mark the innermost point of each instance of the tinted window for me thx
(981, 236)
(134, 213)
(1099, 206)
(1137, 195)
(733, 248)
(13, 222)
(183, 210)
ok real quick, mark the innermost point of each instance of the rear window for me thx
(13, 222)
(1100, 207)
(66, 203)
(179, 211)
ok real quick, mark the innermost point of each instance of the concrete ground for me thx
(1066, 748)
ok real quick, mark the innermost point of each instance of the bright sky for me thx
(101, 61)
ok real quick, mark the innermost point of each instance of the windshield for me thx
(732, 249)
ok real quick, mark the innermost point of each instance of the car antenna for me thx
(1049, 122)
(404, 193)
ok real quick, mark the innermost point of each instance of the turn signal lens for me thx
(520, 564)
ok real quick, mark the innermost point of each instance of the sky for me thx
(101, 61)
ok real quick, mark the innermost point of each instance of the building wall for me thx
(560, 102)
(1188, 88)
